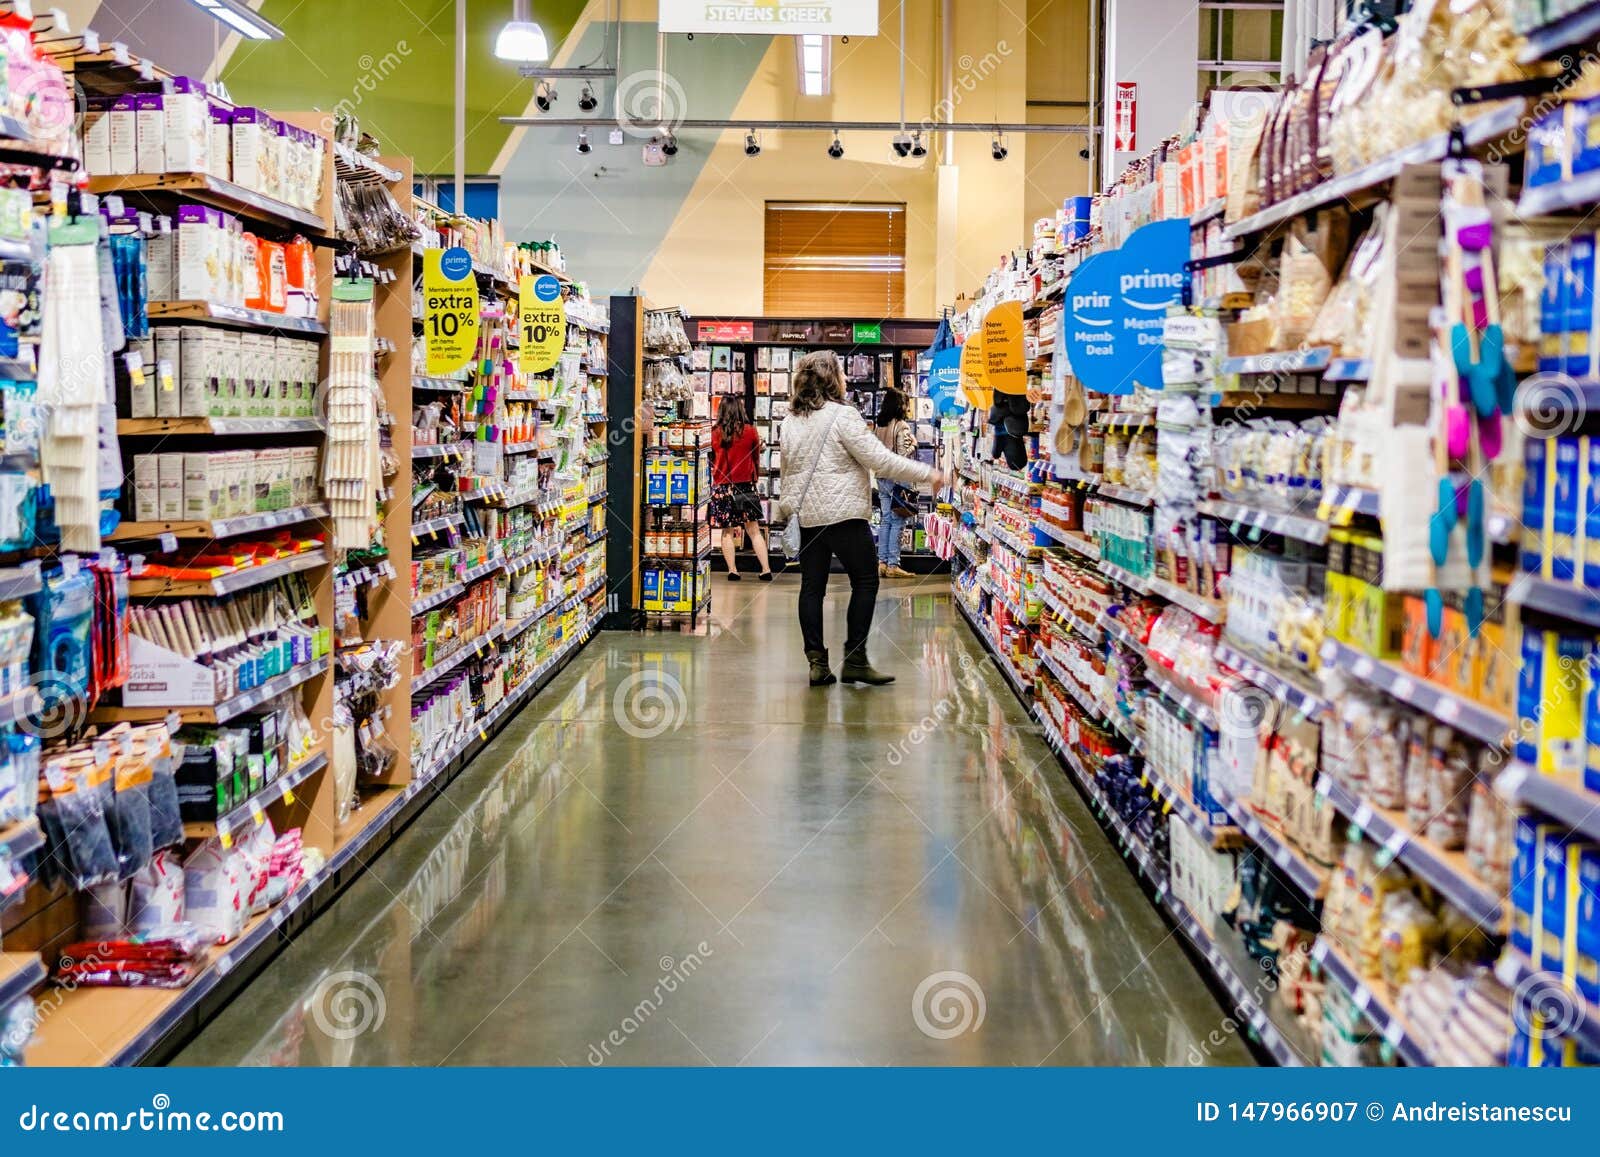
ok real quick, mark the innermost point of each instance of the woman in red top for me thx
(735, 505)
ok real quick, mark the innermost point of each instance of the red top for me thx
(735, 462)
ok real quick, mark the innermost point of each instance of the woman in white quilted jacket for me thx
(829, 456)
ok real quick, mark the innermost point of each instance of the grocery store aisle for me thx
(681, 854)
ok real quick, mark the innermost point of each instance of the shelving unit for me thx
(733, 351)
(353, 597)
(1288, 523)
(1376, 1006)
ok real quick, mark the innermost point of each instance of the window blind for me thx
(835, 259)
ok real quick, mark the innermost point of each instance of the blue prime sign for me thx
(1116, 304)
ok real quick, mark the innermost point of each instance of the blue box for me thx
(1578, 305)
(1530, 690)
(1554, 901)
(1520, 1054)
(650, 588)
(1547, 150)
(1583, 133)
(655, 481)
(1535, 488)
(671, 589)
(1525, 883)
(678, 482)
(1565, 500)
(1586, 968)
(1591, 720)
(1590, 548)
(1552, 310)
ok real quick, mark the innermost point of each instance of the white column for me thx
(1156, 45)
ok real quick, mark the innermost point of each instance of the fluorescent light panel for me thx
(241, 19)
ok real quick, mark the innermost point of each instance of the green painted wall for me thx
(393, 63)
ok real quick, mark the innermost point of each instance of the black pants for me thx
(852, 542)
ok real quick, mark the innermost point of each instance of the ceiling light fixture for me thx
(241, 19)
(752, 144)
(997, 147)
(544, 95)
(918, 149)
(836, 149)
(520, 38)
(583, 140)
(586, 99)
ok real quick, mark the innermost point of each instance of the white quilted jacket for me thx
(842, 487)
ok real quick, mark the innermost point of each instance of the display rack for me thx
(677, 533)
(752, 358)
(1269, 699)
(354, 605)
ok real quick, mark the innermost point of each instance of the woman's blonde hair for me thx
(818, 380)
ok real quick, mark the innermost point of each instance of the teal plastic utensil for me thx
(1507, 386)
(1472, 606)
(1433, 603)
(1475, 516)
(1491, 364)
(1442, 522)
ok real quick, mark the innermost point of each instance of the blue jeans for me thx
(890, 527)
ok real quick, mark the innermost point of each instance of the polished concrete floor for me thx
(681, 854)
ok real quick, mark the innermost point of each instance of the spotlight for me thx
(997, 147)
(583, 141)
(1084, 153)
(587, 101)
(836, 149)
(752, 146)
(669, 145)
(918, 149)
(901, 145)
(544, 96)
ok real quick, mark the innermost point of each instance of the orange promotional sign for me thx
(973, 383)
(1004, 365)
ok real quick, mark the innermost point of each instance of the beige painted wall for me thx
(991, 84)
(1058, 70)
(711, 259)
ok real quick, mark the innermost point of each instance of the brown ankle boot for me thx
(857, 669)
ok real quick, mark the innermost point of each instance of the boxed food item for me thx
(150, 136)
(186, 126)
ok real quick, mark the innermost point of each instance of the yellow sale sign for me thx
(449, 309)
(541, 323)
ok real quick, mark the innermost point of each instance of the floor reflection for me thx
(831, 850)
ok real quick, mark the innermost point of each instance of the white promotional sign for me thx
(771, 17)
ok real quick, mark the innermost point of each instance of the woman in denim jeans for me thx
(894, 432)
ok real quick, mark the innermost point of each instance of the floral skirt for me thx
(734, 505)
